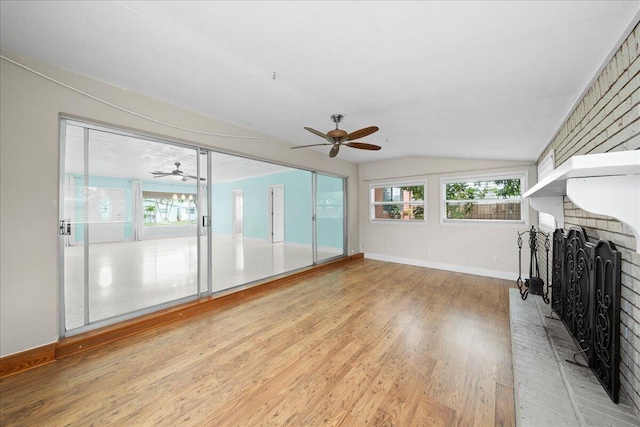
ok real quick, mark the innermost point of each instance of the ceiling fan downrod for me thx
(336, 119)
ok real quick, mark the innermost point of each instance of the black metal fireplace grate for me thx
(585, 294)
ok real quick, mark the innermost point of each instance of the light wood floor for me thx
(369, 343)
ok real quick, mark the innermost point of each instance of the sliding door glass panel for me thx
(261, 220)
(137, 261)
(329, 217)
(131, 206)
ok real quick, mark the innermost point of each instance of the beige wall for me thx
(464, 248)
(608, 119)
(30, 106)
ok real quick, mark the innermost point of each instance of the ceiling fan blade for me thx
(311, 145)
(363, 146)
(317, 132)
(334, 150)
(362, 133)
(160, 174)
(194, 177)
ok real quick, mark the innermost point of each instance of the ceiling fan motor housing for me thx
(337, 134)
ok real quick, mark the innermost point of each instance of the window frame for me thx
(394, 184)
(524, 211)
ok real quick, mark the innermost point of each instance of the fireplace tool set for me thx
(534, 284)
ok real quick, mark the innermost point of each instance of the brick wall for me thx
(608, 119)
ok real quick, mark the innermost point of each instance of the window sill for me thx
(397, 221)
(484, 223)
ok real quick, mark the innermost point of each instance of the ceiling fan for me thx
(176, 174)
(338, 137)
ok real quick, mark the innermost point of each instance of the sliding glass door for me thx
(146, 223)
(129, 224)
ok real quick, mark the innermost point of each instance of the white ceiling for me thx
(445, 79)
(119, 156)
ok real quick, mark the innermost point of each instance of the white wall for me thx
(469, 249)
(30, 106)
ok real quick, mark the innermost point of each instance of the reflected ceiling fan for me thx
(338, 137)
(176, 174)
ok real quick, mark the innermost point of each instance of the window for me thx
(105, 207)
(545, 167)
(169, 208)
(489, 199)
(397, 202)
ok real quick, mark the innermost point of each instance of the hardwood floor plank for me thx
(368, 343)
(504, 406)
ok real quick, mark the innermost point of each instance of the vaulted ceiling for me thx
(445, 79)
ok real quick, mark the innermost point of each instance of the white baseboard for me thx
(508, 275)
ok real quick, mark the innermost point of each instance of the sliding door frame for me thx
(89, 124)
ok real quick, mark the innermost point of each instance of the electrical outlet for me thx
(429, 251)
(497, 260)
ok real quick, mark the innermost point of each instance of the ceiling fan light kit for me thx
(338, 137)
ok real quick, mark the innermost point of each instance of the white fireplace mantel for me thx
(604, 184)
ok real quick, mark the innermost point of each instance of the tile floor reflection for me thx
(129, 276)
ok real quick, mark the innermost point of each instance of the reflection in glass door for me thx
(330, 217)
(130, 224)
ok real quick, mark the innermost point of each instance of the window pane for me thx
(399, 202)
(399, 194)
(400, 211)
(493, 210)
(414, 193)
(492, 199)
(387, 194)
(494, 189)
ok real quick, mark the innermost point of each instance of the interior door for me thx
(277, 213)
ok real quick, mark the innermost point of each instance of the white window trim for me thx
(385, 184)
(522, 174)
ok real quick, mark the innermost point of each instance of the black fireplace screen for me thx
(585, 294)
